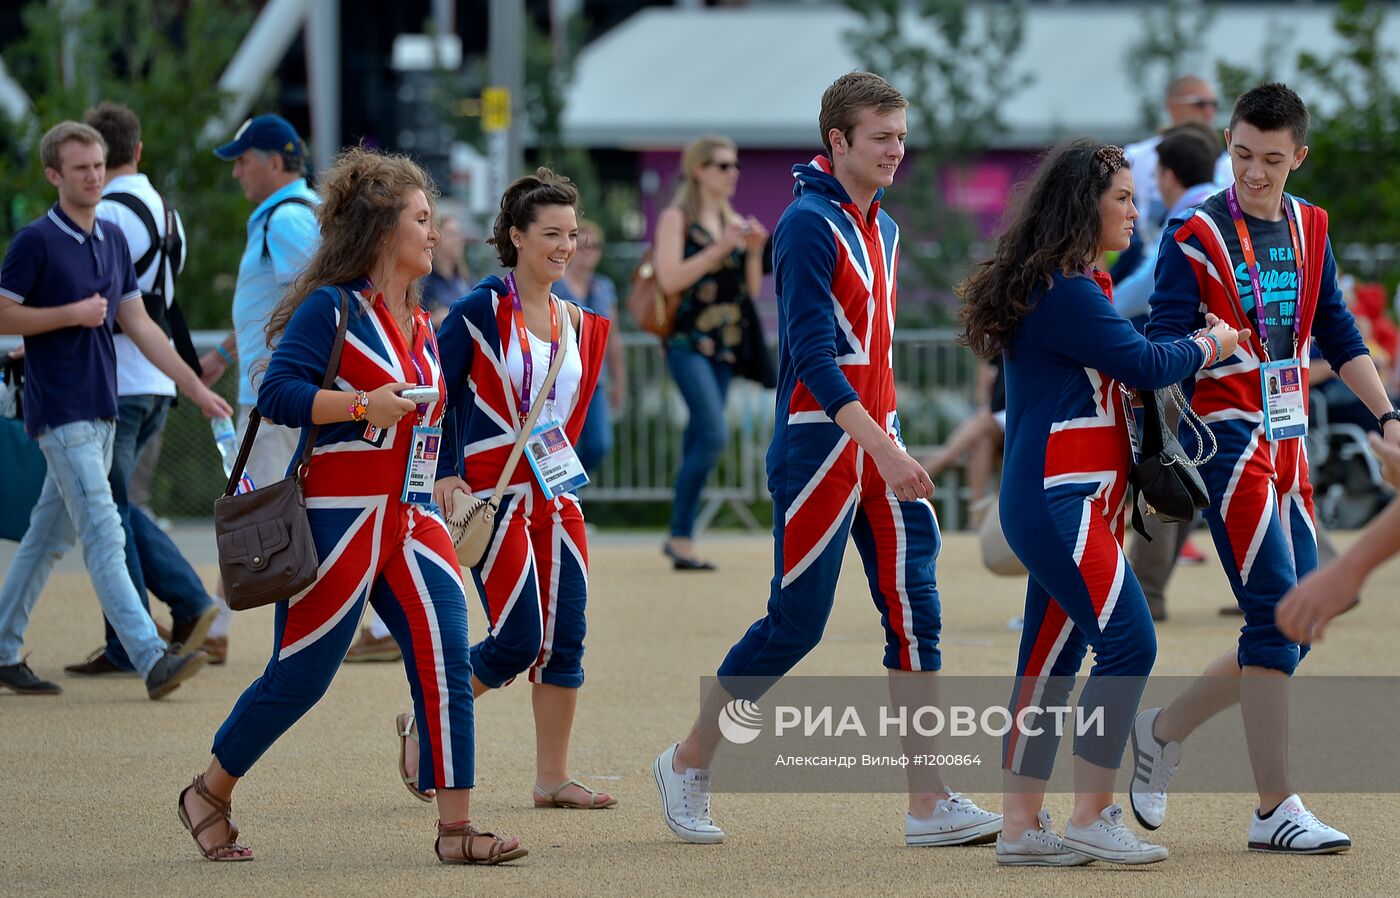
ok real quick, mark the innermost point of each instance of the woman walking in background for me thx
(377, 241)
(713, 257)
(1065, 486)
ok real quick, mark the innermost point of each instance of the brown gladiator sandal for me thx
(229, 850)
(496, 851)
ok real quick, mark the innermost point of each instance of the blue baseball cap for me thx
(269, 133)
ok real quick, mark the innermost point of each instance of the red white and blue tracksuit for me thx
(533, 580)
(835, 277)
(1064, 500)
(1261, 510)
(371, 546)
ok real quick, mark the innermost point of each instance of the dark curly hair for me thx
(521, 206)
(1054, 226)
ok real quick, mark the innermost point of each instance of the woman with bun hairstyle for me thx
(374, 542)
(498, 343)
(1041, 302)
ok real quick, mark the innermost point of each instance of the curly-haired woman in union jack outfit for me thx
(1064, 492)
(373, 547)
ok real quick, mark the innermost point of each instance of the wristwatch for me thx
(1392, 415)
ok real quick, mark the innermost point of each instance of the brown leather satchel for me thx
(652, 309)
(266, 553)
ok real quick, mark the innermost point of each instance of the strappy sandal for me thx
(496, 852)
(223, 811)
(403, 725)
(551, 799)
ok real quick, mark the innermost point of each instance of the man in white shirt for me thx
(157, 241)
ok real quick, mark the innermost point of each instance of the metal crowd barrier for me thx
(934, 379)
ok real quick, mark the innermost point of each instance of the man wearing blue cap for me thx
(269, 160)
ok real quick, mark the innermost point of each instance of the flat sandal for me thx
(223, 811)
(551, 798)
(495, 854)
(403, 725)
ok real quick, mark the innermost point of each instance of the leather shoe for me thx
(97, 665)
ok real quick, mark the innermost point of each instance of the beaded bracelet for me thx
(360, 406)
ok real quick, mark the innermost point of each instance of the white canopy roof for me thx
(757, 73)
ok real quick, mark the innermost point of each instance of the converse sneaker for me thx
(1155, 761)
(1039, 848)
(955, 820)
(1109, 839)
(1291, 828)
(685, 800)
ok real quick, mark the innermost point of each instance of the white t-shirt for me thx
(136, 376)
(570, 373)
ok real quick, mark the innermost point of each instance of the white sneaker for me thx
(1109, 839)
(955, 820)
(1292, 829)
(685, 800)
(1039, 848)
(1154, 763)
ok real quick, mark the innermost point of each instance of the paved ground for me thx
(88, 790)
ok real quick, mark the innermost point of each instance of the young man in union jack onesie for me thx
(1259, 258)
(837, 465)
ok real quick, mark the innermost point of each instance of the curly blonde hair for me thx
(362, 195)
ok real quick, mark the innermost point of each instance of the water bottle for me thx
(226, 440)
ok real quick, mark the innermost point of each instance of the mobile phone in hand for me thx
(420, 395)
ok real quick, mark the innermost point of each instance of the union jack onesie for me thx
(533, 580)
(834, 269)
(1064, 501)
(371, 546)
(1261, 509)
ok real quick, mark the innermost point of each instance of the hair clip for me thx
(1110, 159)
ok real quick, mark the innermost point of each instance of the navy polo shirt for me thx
(70, 374)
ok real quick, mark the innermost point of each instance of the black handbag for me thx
(266, 552)
(1164, 477)
(753, 358)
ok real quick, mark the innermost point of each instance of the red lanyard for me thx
(1251, 263)
(527, 353)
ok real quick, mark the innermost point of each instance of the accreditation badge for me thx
(554, 461)
(1285, 416)
(422, 465)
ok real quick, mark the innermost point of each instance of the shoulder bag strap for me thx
(255, 418)
(528, 426)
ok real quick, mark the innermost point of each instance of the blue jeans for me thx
(596, 439)
(149, 551)
(76, 503)
(703, 383)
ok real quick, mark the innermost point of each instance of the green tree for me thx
(1355, 135)
(1168, 48)
(955, 81)
(163, 59)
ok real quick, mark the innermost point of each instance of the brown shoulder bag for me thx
(649, 306)
(266, 553)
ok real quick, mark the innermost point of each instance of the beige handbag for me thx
(473, 520)
(997, 556)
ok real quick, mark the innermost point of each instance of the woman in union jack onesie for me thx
(373, 546)
(533, 580)
(1064, 495)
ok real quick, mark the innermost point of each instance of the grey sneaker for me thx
(1109, 839)
(22, 680)
(172, 670)
(1040, 847)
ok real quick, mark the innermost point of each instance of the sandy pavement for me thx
(90, 778)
